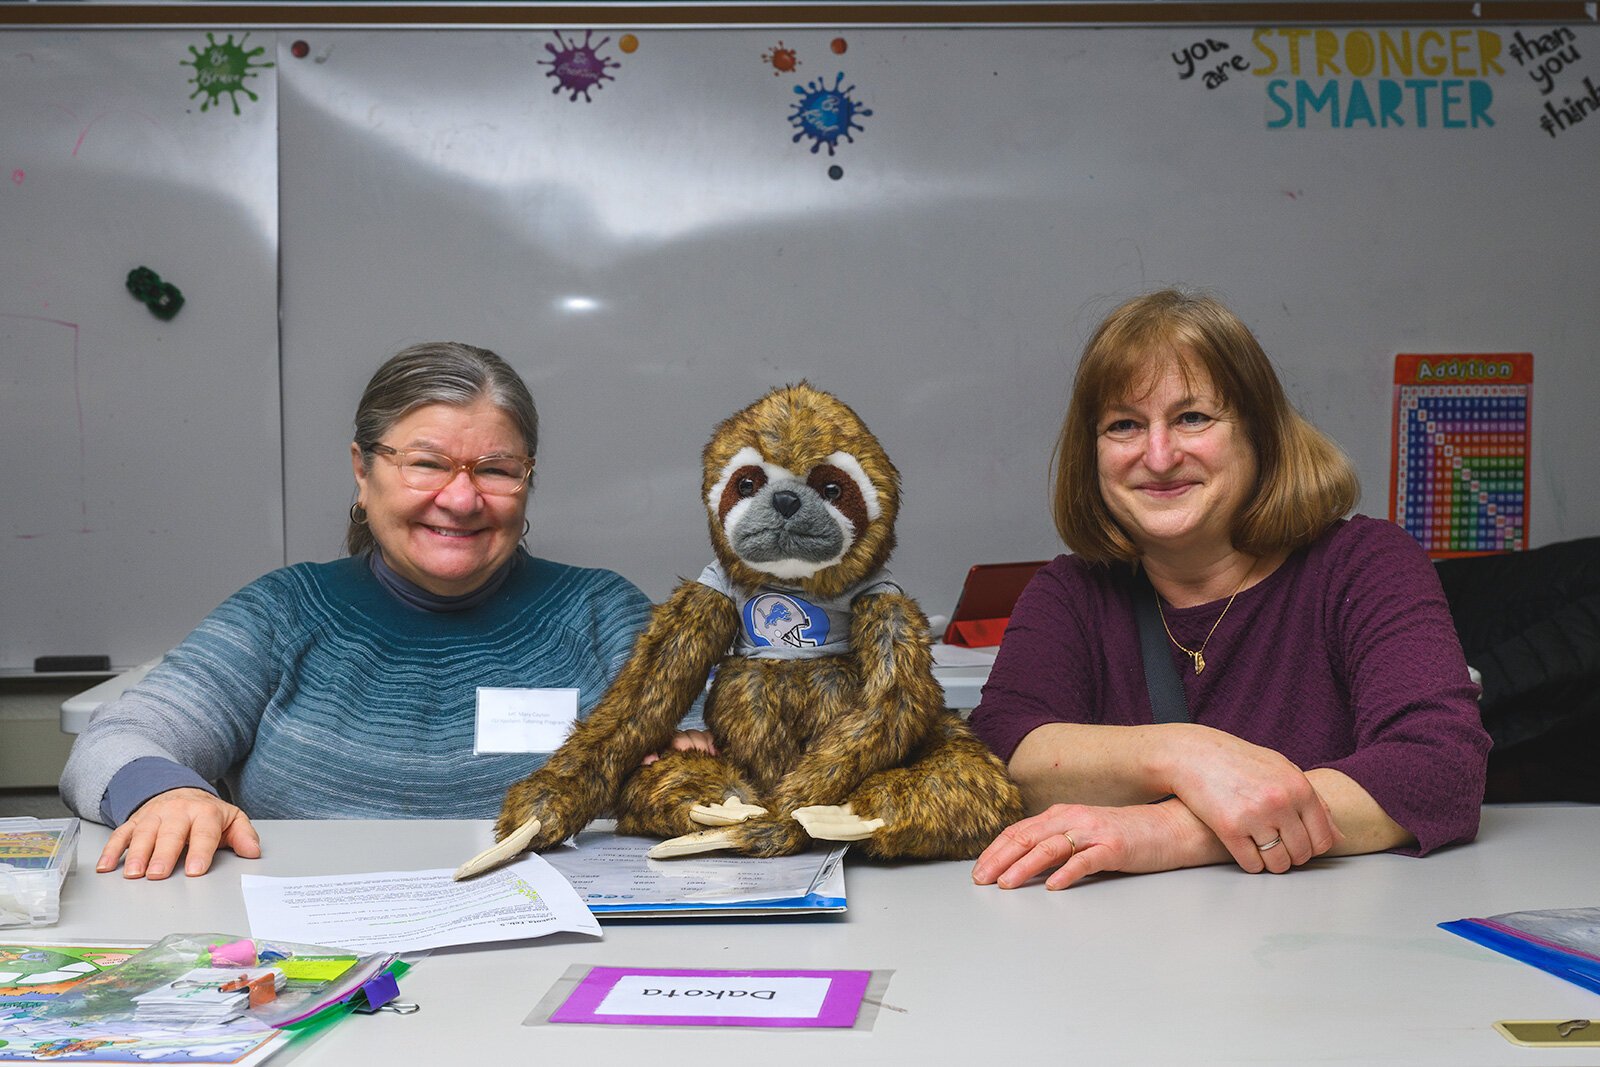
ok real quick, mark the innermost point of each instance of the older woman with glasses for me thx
(348, 689)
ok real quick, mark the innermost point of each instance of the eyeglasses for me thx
(432, 471)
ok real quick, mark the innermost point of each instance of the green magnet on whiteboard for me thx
(162, 298)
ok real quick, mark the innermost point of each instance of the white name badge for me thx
(524, 720)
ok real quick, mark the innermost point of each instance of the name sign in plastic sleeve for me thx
(628, 996)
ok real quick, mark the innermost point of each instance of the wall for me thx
(655, 249)
(142, 480)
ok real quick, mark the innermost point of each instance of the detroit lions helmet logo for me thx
(778, 620)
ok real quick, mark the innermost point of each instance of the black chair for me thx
(1529, 622)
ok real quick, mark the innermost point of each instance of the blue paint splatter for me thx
(578, 67)
(825, 114)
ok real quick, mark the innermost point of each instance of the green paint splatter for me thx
(223, 68)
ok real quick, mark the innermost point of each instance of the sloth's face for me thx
(792, 524)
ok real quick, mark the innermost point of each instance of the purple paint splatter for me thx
(578, 68)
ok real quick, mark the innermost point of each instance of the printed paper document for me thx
(403, 911)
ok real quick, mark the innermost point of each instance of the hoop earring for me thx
(358, 514)
(526, 526)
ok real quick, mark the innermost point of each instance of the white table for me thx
(1340, 962)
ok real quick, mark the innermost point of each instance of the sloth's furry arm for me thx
(896, 710)
(687, 634)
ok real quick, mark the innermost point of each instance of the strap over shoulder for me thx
(1167, 701)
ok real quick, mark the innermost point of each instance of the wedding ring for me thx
(1070, 842)
(1274, 843)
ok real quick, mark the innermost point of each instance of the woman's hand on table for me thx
(169, 824)
(1076, 840)
(1252, 797)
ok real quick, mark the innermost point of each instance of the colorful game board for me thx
(43, 972)
(1462, 433)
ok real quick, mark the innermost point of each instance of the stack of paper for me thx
(616, 878)
(207, 996)
(385, 910)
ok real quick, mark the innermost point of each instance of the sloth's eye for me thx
(743, 483)
(832, 491)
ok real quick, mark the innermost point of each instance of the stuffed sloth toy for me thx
(825, 716)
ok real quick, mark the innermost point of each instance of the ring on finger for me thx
(1274, 843)
(1071, 843)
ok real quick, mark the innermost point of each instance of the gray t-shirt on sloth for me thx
(783, 623)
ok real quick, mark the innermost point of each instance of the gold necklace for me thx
(1196, 654)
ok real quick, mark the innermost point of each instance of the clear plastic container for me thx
(36, 855)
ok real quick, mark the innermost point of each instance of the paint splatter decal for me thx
(826, 114)
(223, 68)
(578, 68)
(783, 60)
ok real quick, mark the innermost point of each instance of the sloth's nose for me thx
(786, 503)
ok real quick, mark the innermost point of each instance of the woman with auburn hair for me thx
(1320, 701)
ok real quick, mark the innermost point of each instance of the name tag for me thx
(524, 720)
(656, 996)
(783, 998)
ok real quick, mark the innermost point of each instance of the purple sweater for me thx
(1343, 657)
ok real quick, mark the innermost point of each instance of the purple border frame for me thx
(840, 1006)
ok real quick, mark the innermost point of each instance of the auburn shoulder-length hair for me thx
(1304, 482)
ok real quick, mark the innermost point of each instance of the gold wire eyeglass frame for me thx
(432, 480)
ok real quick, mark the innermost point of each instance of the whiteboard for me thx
(142, 484)
(656, 255)
(657, 252)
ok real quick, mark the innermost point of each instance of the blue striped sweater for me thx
(315, 693)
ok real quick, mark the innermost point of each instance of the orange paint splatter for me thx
(783, 59)
(839, 46)
(628, 43)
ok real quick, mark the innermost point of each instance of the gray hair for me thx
(436, 372)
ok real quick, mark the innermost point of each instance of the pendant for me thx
(1199, 662)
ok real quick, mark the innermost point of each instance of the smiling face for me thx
(448, 541)
(1175, 465)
